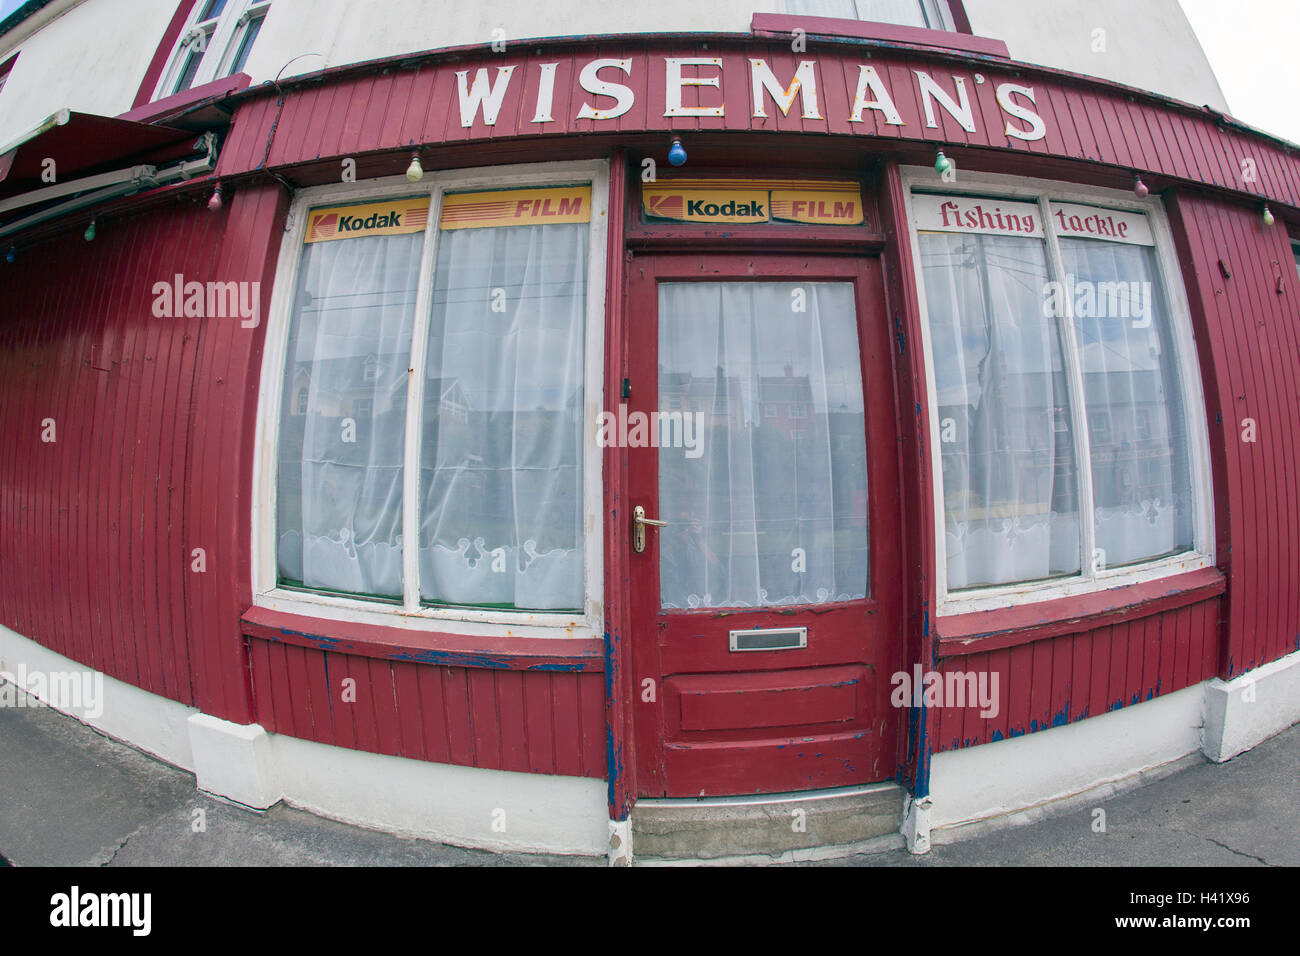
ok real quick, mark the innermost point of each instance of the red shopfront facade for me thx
(652, 682)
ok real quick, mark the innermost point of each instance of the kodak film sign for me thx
(516, 207)
(751, 201)
(395, 217)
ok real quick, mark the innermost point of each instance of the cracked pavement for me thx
(72, 797)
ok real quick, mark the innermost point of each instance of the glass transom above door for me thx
(766, 499)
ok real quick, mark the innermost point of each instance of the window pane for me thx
(769, 506)
(1010, 489)
(904, 12)
(339, 487)
(246, 44)
(1140, 474)
(501, 456)
(211, 10)
(193, 57)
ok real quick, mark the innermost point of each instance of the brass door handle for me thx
(639, 522)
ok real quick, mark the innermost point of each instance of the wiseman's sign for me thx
(693, 87)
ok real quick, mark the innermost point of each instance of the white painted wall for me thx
(90, 58)
(93, 54)
(1148, 43)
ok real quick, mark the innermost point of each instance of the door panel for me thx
(776, 474)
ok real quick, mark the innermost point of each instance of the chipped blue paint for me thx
(1033, 726)
(997, 735)
(1115, 705)
(1061, 718)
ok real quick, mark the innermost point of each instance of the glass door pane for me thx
(766, 494)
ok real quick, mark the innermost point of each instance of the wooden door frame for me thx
(640, 771)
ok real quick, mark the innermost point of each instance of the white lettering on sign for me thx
(932, 92)
(483, 94)
(972, 214)
(589, 79)
(1089, 222)
(869, 79)
(1037, 128)
(804, 85)
(675, 81)
(482, 98)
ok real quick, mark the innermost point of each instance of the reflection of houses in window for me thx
(1128, 432)
(786, 400)
(717, 397)
(446, 398)
(339, 387)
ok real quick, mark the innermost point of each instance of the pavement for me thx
(70, 796)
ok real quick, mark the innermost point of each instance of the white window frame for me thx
(231, 25)
(1043, 192)
(937, 11)
(410, 613)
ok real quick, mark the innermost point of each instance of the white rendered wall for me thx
(92, 55)
(1148, 43)
(90, 58)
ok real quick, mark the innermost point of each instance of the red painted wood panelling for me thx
(396, 104)
(153, 419)
(1048, 683)
(499, 719)
(1248, 331)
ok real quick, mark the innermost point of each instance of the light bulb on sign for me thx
(415, 172)
(215, 202)
(676, 153)
(1269, 218)
(942, 163)
(90, 232)
(1140, 188)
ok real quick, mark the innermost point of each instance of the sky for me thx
(1252, 48)
(1251, 45)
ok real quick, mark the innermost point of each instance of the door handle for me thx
(639, 522)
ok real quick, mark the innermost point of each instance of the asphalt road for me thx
(70, 796)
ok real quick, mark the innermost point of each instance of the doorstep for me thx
(776, 825)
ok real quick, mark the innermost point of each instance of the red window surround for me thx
(163, 53)
(782, 25)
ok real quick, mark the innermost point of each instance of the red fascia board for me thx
(578, 655)
(171, 106)
(768, 24)
(981, 631)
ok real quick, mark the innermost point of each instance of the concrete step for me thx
(772, 825)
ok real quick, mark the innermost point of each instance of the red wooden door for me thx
(767, 610)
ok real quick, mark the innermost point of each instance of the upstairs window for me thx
(215, 42)
(931, 14)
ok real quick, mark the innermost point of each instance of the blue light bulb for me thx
(677, 155)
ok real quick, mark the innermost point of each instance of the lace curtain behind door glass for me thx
(769, 506)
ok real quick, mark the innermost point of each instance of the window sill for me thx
(782, 25)
(425, 647)
(187, 100)
(981, 631)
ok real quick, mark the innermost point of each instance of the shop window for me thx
(1042, 313)
(215, 42)
(932, 14)
(464, 488)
